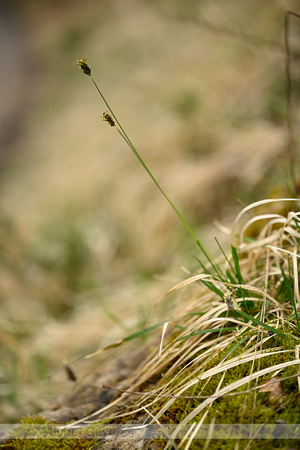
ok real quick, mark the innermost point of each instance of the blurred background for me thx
(87, 242)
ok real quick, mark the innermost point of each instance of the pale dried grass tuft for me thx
(266, 237)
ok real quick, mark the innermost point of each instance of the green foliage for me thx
(37, 431)
(264, 325)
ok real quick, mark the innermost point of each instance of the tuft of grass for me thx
(239, 331)
(204, 372)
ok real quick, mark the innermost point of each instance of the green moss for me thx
(252, 408)
(41, 434)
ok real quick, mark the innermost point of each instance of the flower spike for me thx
(230, 298)
(84, 66)
(106, 116)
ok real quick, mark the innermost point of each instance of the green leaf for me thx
(258, 322)
(209, 330)
(290, 294)
(214, 265)
(131, 337)
(237, 265)
(144, 331)
(234, 347)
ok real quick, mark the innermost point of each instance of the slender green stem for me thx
(130, 144)
(114, 116)
(291, 137)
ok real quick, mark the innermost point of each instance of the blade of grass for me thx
(258, 322)
(215, 266)
(233, 348)
(231, 277)
(144, 331)
(290, 294)
(114, 318)
(212, 288)
(132, 336)
(224, 254)
(237, 265)
(239, 274)
(208, 330)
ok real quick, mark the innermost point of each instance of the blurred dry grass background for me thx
(87, 242)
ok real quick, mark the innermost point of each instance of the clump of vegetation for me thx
(230, 354)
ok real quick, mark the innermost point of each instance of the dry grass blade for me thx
(190, 441)
(162, 428)
(162, 338)
(297, 356)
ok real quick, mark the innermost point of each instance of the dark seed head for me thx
(107, 118)
(84, 66)
(70, 373)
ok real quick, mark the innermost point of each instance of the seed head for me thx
(230, 298)
(84, 66)
(106, 116)
(70, 373)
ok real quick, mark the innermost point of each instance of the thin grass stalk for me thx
(291, 143)
(86, 69)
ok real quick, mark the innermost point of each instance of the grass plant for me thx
(214, 361)
(228, 355)
(239, 334)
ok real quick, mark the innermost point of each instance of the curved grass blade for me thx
(264, 325)
(132, 336)
(208, 330)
